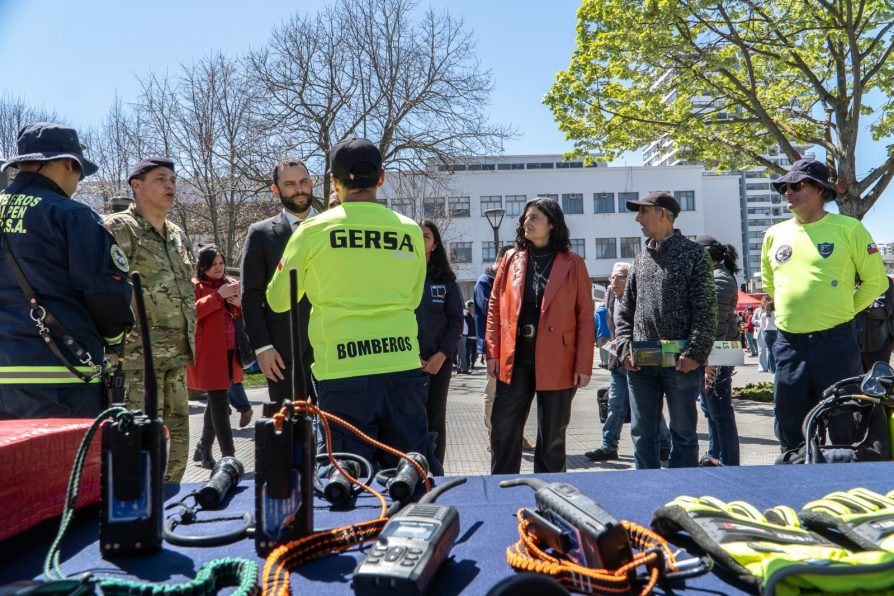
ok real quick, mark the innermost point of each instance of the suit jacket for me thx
(565, 333)
(264, 245)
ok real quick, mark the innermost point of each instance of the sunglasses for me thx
(794, 186)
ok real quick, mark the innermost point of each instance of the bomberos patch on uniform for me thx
(783, 253)
(825, 249)
(119, 258)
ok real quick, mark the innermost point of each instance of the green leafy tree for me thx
(727, 81)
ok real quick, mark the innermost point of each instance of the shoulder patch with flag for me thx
(872, 248)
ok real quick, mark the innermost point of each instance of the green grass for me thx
(254, 380)
(762, 392)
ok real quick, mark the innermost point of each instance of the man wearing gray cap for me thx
(64, 292)
(157, 248)
(669, 296)
(808, 265)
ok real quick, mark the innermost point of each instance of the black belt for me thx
(527, 331)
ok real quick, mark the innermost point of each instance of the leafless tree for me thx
(369, 69)
(15, 113)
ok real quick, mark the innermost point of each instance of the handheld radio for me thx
(573, 523)
(285, 453)
(134, 456)
(413, 545)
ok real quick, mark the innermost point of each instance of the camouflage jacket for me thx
(164, 263)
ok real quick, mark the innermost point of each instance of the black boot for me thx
(203, 455)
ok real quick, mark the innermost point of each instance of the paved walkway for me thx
(467, 437)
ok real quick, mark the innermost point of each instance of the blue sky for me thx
(75, 56)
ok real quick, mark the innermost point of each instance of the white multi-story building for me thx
(761, 206)
(593, 199)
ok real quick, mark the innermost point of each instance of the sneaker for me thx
(527, 445)
(664, 454)
(601, 454)
(245, 418)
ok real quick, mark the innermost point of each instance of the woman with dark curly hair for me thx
(217, 362)
(539, 338)
(440, 320)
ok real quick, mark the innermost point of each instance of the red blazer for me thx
(565, 334)
(210, 372)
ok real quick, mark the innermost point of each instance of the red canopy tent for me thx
(745, 301)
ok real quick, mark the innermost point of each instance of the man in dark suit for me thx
(264, 246)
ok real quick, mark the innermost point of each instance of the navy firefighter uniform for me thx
(78, 274)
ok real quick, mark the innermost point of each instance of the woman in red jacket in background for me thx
(539, 338)
(217, 363)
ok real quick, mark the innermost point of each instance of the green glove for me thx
(864, 517)
(771, 552)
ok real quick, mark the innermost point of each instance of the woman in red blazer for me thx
(217, 363)
(539, 338)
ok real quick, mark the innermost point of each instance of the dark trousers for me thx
(217, 423)
(280, 391)
(806, 364)
(512, 403)
(436, 408)
(389, 407)
(870, 358)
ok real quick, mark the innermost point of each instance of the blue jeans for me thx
(618, 406)
(752, 343)
(238, 398)
(770, 339)
(648, 386)
(717, 405)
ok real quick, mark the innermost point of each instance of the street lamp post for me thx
(495, 218)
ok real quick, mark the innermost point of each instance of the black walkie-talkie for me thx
(411, 548)
(284, 458)
(134, 456)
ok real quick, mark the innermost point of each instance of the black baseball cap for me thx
(46, 141)
(150, 163)
(356, 163)
(809, 169)
(656, 199)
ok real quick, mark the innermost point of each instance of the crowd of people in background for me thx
(382, 335)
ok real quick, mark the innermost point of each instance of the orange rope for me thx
(526, 555)
(294, 553)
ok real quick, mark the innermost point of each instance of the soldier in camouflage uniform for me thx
(158, 250)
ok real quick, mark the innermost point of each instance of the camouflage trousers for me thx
(173, 407)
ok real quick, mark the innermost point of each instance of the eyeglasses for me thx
(618, 277)
(794, 186)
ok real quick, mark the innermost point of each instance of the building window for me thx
(759, 211)
(755, 234)
(606, 248)
(404, 207)
(503, 166)
(686, 198)
(630, 247)
(516, 166)
(755, 246)
(461, 252)
(546, 195)
(758, 186)
(489, 251)
(459, 206)
(433, 207)
(573, 203)
(623, 197)
(515, 204)
(579, 246)
(603, 202)
(489, 167)
(491, 202)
